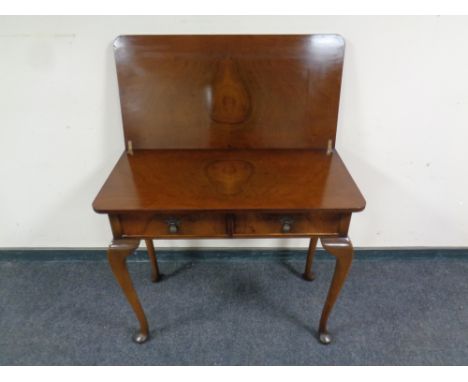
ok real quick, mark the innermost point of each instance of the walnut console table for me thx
(229, 137)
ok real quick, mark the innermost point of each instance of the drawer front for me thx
(174, 225)
(295, 224)
(221, 225)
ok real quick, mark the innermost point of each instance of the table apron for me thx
(230, 225)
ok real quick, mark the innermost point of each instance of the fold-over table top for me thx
(229, 123)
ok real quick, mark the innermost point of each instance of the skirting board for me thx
(230, 254)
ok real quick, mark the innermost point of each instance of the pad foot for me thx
(325, 338)
(140, 338)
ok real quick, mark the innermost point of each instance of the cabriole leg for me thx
(117, 255)
(155, 276)
(308, 274)
(342, 249)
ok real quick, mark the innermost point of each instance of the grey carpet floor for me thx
(390, 312)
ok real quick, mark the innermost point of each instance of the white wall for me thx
(403, 127)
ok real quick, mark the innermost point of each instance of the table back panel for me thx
(231, 91)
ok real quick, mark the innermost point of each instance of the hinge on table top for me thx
(129, 147)
(329, 147)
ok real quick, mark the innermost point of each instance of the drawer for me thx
(248, 224)
(288, 224)
(174, 225)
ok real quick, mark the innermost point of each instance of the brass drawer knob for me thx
(173, 225)
(286, 225)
